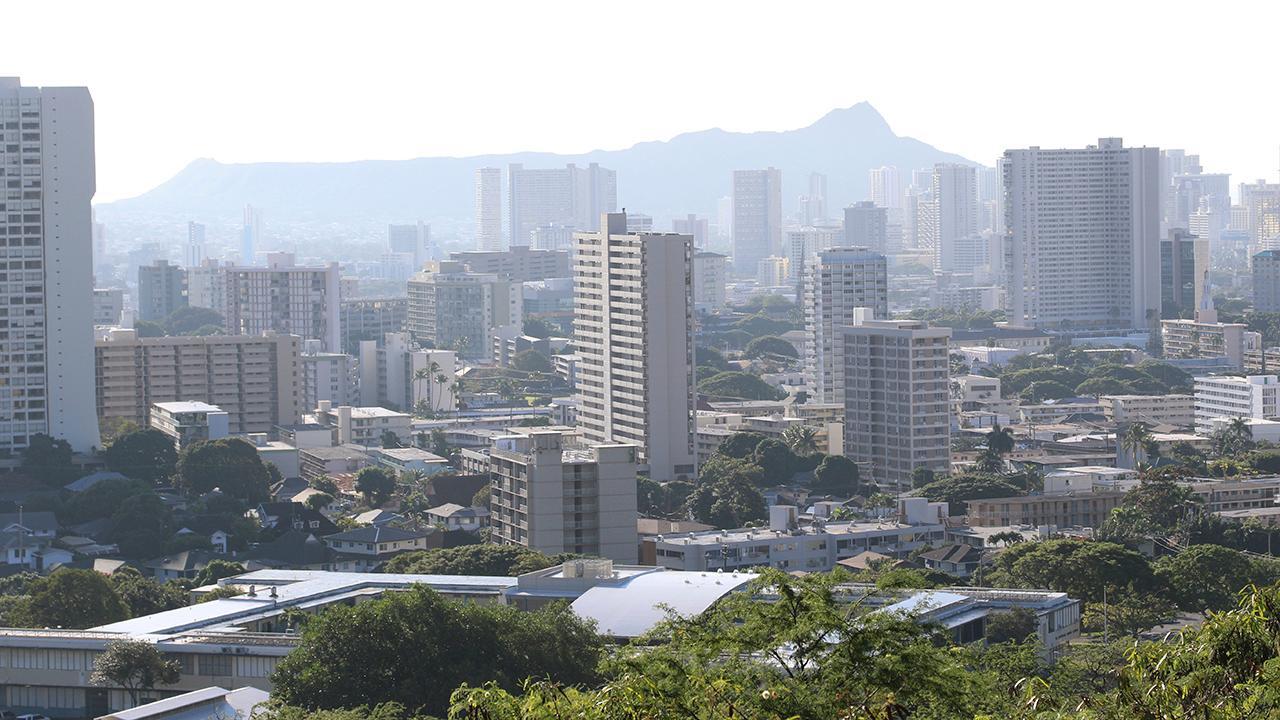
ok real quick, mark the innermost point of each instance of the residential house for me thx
(293, 516)
(294, 550)
(178, 566)
(958, 560)
(365, 549)
(458, 517)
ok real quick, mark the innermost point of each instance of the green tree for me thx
(147, 329)
(776, 460)
(189, 320)
(406, 647)
(135, 666)
(440, 445)
(375, 484)
(1082, 569)
(730, 502)
(771, 346)
(101, 500)
(532, 361)
(537, 327)
(1000, 440)
(760, 325)
(389, 440)
(325, 484)
(216, 570)
(48, 460)
(230, 464)
(1206, 577)
(74, 598)
(144, 596)
(738, 386)
(1046, 390)
(720, 468)
(956, 489)
(1158, 505)
(838, 475)
(482, 496)
(661, 499)
(318, 501)
(922, 476)
(706, 357)
(1127, 613)
(141, 526)
(740, 445)
(484, 559)
(802, 439)
(144, 454)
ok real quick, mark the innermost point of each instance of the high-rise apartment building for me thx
(195, 250)
(710, 271)
(571, 195)
(954, 212)
(1266, 281)
(108, 306)
(773, 271)
(842, 282)
(250, 234)
(551, 496)
(455, 309)
(757, 218)
(693, 225)
(256, 380)
(327, 376)
(162, 289)
(1261, 203)
(1082, 236)
(813, 207)
(489, 209)
(284, 298)
(207, 285)
(802, 245)
(1250, 397)
(886, 187)
(1184, 261)
(411, 240)
(866, 225)
(896, 386)
(396, 373)
(520, 263)
(47, 158)
(633, 333)
(370, 319)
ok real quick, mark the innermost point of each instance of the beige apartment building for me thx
(1088, 509)
(555, 497)
(896, 397)
(1177, 410)
(256, 380)
(633, 334)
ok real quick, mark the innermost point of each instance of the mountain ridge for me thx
(663, 178)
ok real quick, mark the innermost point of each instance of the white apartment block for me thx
(802, 245)
(1082, 236)
(757, 217)
(842, 281)
(189, 422)
(550, 496)
(955, 213)
(46, 325)
(1235, 397)
(207, 284)
(1176, 410)
(710, 271)
(284, 298)
(489, 208)
(455, 309)
(1205, 337)
(633, 334)
(521, 262)
(364, 426)
(896, 398)
(327, 376)
(256, 380)
(773, 271)
(886, 187)
(389, 375)
(570, 195)
(108, 306)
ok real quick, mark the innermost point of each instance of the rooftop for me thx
(186, 406)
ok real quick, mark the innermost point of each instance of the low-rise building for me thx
(410, 459)
(1071, 509)
(365, 549)
(452, 516)
(187, 423)
(317, 462)
(365, 426)
(1254, 396)
(1173, 409)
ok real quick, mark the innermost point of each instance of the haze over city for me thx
(639, 361)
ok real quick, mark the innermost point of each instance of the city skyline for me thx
(207, 87)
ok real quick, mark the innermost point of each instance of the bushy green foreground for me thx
(809, 654)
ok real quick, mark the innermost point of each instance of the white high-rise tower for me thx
(48, 385)
(1082, 236)
(489, 208)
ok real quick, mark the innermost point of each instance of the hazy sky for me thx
(257, 81)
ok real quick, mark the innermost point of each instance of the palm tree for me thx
(802, 439)
(418, 376)
(441, 380)
(1240, 434)
(1135, 440)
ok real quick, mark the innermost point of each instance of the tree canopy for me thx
(73, 598)
(144, 454)
(230, 464)
(771, 345)
(728, 502)
(483, 559)
(738, 386)
(956, 489)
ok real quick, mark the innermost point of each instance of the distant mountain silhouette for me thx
(663, 179)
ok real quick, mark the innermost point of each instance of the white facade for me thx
(327, 376)
(1254, 396)
(453, 308)
(283, 298)
(842, 282)
(1082, 236)
(571, 195)
(886, 187)
(489, 209)
(1176, 410)
(772, 271)
(552, 498)
(710, 271)
(633, 334)
(802, 245)
(757, 217)
(47, 383)
(389, 375)
(955, 213)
